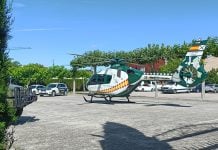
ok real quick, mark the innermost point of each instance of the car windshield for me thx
(170, 82)
(209, 85)
(33, 86)
(40, 87)
(51, 85)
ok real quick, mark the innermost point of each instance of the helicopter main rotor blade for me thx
(75, 54)
(99, 60)
(87, 56)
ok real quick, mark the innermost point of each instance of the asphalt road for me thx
(172, 121)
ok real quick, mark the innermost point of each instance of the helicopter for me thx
(117, 81)
(120, 80)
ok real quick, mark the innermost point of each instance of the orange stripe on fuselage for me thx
(194, 48)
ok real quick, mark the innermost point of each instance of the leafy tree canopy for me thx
(212, 76)
(148, 54)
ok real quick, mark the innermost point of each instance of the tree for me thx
(212, 76)
(172, 55)
(92, 58)
(171, 66)
(29, 74)
(6, 115)
(212, 47)
(59, 72)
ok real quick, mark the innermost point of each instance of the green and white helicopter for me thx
(120, 80)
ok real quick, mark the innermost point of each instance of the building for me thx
(210, 63)
(151, 67)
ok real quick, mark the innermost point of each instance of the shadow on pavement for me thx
(112, 102)
(122, 137)
(25, 119)
(191, 131)
(172, 105)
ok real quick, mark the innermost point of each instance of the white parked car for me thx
(172, 87)
(36, 89)
(54, 89)
(145, 86)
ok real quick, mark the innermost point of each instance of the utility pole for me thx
(53, 63)
(156, 90)
(74, 86)
(95, 69)
(203, 90)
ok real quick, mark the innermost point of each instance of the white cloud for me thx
(41, 29)
(18, 5)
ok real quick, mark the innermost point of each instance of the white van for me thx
(148, 86)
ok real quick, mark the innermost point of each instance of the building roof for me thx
(210, 63)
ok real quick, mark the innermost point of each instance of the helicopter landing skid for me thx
(88, 101)
(106, 98)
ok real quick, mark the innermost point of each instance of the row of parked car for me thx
(172, 87)
(208, 88)
(51, 89)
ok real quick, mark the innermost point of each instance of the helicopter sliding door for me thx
(100, 79)
(99, 82)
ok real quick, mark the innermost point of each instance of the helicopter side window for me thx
(108, 79)
(93, 80)
(129, 71)
(118, 73)
(104, 79)
(100, 79)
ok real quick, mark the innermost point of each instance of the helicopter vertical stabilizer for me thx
(191, 72)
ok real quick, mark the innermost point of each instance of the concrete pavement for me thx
(179, 121)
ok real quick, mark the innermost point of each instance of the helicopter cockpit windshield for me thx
(100, 79)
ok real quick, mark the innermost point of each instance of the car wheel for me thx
(34, 92)
(35, 97)
(65, 93)
(53, 93)
(215, 91)
(19, 112)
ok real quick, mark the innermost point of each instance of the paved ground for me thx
(172, 121)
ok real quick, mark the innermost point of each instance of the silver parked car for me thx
(211, 88)
(172, 87)
(37, 88)
(54, 89)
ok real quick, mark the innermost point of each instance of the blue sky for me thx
(53, 28)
